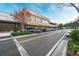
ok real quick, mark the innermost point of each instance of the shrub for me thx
(73, 44)
(20, 33)
(72, 48)
(74, 35)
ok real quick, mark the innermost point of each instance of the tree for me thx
(75, 23)
(72, 5)
(60, 26)
(75, 7)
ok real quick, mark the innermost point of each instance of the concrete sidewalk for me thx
(5, 34)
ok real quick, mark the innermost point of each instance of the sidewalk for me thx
(5, 34)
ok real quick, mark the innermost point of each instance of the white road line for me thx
(16, 37)
(37, 37)
(24, 36)
(29, 35)
(5, 39)
(19, 36)
(20, 48)
(50, 52)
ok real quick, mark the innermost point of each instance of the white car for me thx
(68, 32)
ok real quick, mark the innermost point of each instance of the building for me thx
(23, 20)
(54, 26)
(29, 20)
(7, 23)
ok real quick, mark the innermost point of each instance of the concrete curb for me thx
(24, 35)
(65, 49)
(54, 47)
(2, 39)
(5, 34)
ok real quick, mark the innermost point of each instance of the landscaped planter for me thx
(70, 51)
(73, 44)
(20, 33)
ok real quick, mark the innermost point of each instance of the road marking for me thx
(15, 37)
(20, 48)
(37, 37)
(52, 50)
(24, 36)
(29, 35)
(60, 49)
(5, 39)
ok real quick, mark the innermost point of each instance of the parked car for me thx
(69, 31)
(33, 30)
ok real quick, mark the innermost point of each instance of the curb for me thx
(54, 47)
(24, 36)
(65, 49)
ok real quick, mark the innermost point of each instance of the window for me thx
(33, 19)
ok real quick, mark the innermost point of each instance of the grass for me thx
(20, 33)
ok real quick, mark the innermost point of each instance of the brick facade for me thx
(9, 26)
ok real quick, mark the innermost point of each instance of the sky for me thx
(56, 12)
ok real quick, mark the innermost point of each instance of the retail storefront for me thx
(9, 26)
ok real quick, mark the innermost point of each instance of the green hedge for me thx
(74, 35)
(20, 33)
(72, 48)
(73, 44)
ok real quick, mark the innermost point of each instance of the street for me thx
(34, 45)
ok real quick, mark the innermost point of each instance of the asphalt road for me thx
(8, 48)
(35, 45)
(40, 44)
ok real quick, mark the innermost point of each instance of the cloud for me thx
(65, 20)
(55, 12)
(69, 14)
(15, 7)
(65, 15)
(35, 8)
